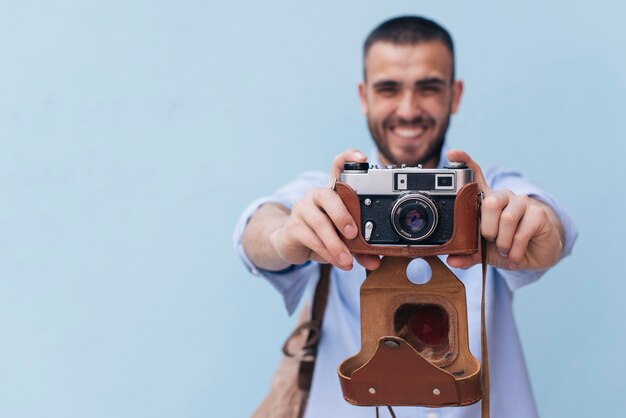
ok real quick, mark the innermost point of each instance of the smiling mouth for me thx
(408, 133)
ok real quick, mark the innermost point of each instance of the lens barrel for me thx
(414, 217)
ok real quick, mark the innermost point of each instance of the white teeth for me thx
(408, 132)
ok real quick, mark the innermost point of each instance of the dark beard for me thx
(433, 152)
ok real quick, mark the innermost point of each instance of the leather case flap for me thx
(400, 376)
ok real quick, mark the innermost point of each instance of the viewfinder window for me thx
(445, 181)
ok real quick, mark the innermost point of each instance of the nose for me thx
(409, 107)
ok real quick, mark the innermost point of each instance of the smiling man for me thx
(408, 95)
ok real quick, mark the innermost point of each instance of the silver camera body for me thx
(406, 205)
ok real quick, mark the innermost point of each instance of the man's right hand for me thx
(309, 232)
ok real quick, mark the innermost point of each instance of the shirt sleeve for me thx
(291, 283)
(499, 178)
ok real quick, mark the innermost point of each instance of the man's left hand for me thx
(521, 232)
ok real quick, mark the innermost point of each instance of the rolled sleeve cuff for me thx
(520, 186)
(291, 282)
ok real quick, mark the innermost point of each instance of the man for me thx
(408, 94)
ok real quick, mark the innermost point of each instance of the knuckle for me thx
(298, 207)
(317, 246)
(522, 238)
(292, 222)
(524, 199)
(508, 192)
(316, 196)
(335, 246)
(508, 218)
(295, 231)
(318, 219)
(503, 245)
(312, 243)
(525, 236)
(537, 212)
(313, 193)
(318, 249)
(491, 202)
(516, 257)
(325, 194)
(504, 250)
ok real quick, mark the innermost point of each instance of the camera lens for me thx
(414, 217)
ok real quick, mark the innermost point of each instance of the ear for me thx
(457, 92)
(363, 97)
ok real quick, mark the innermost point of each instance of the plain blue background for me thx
(132, 135)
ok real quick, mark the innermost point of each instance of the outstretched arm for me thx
(522, 232)
(276, 238)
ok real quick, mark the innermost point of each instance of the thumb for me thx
(350, 155)
(458, 155)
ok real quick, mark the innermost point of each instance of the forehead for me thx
(386, 60)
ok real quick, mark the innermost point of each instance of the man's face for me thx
(408, 96)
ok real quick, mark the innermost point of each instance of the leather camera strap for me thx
(483, 333)
(308, 352)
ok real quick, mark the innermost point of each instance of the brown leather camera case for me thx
(464, 239)
(389, 370)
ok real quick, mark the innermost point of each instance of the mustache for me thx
(402, 122)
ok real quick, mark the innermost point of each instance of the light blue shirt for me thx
(511, 395)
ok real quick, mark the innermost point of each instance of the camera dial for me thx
(356, 167)
(455, 165)
(414, 216)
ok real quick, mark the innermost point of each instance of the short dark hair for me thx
(409, 30)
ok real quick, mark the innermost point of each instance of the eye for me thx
(430, 89)
(387, 90)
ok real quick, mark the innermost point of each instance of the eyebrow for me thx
(429, 81)
(385, 83)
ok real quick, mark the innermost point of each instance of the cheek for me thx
(438, 108)
(379, 110)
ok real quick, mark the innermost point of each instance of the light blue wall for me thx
(132, 134)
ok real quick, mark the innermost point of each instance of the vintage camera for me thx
(414, 337)
(406, 205)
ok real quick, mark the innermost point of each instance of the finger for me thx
(326, 232)
(491, 210)
(300, 237)
(463, 261)
(334, 207)
(318, 258)
(311, 240)
(346, 156)
(529, 226)
(509, 221)
(370, 262)
(458, 155)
